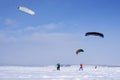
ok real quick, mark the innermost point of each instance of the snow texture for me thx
(66, 73)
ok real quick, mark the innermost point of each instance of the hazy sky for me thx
(57, 30)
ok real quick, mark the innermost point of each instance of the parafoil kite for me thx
(94, 34)
(26, 10)
(79, 50)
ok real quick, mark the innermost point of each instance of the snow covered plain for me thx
(66, 73)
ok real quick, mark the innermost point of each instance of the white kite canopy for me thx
(26, 10)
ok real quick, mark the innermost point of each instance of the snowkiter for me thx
(58, 66)
(81, 67)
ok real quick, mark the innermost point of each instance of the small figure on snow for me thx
(95, 67)
(81, 67)
(58, 66)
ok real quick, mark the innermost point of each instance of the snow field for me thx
(66, 73)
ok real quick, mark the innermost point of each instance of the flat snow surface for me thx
(66, 73)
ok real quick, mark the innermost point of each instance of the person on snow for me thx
(81, 67)
(58, 66)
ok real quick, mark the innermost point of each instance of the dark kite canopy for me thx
(94, 34)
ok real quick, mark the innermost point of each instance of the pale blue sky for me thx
(57, 30)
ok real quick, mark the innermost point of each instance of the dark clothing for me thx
(58, 66)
